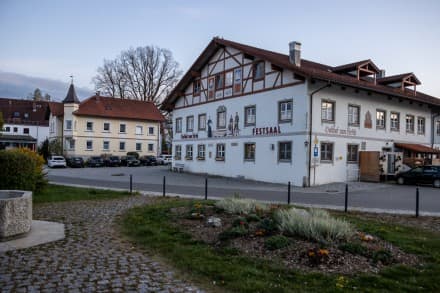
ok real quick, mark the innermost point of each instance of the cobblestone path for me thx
(92, 258)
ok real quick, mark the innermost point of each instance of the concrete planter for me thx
(15, 213)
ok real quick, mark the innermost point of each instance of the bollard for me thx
(417, 202)
(163, 186)
(288, 193)
(131, 183)
(206, 188)
(346, 198)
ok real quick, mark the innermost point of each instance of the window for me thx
(15, 129)
(122, 146)
(437, 127)
(26, 115)
(420, 125)
(189, 123)
(106, 126)
(328, 111)
(69, 125)
(410, 123)
(139, 130)
(353, 115)
(178, 125)
(178, 152)
(395, 121)
(249, 151)
(70, 144)
(196, 87)
(138, 146)
(151, 130)
(202, 122)
(380, 119)
(89, 126)
(285, 111)
(201, 152)
(228, 78)
(219, 81)
(151, 147)
(7, 129)
(89, 145)
(285, 151)
(326, 152)
(122, 128)
(25, 130)
(189, 152)
(16, 114)
(220, 152)
(258, 70)
(221, 117)
(106, 145)
(352, 153)
(250, 115)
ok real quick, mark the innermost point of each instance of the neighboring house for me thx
(105, 126)
(26, 123)
(242, 111)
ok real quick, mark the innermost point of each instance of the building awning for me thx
(17, 138)
(418, 148)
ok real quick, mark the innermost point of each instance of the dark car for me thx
(148, 160)
(95, 162)
(75, 162)
(130, 161)
(420, 175)
(112, 161)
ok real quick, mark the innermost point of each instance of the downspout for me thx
(310, 129)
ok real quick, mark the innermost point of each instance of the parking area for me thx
(368, 196)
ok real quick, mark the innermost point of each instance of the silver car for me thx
(56, 161)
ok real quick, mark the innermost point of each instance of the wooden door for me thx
(369, 166)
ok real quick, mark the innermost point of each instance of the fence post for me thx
(417, 202)
(131, 183)
(346, 198)
(163, 186)
(288, 193)
(206, 188)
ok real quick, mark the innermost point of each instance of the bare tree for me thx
(145, 73)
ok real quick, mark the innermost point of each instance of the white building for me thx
(242, 111)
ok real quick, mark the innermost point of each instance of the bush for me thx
(240, 205)
(354, 248)
(232, 233)
(253, 218)
(22, 169)
(315, 225)
(240, 221)
(268, 225)
(276, 242)
(383, 256)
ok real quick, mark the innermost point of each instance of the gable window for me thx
(122, 128)
(258, 70)
(201, 152)
(151, 147)
(410, 123)
(221, 117)
(178, 125)
(106, 145)
(139, 130)
(69, 125)
(437, 127)
(285, 111)
(353, 115)
(178, 152)
(151, 130)
(285, 151)
(202, 122)
(196, 87)
(395, 121)
(250, 113)
(249, 151)
(25, 130)
(89, 126)
(352, 153)
(420, 125)
(328, 111)
(189, 152)
(326, 152)
(138, 146)
(220, 152)
(122, 145)
(380, 119)
(219, 81)
(189, 123)
(229, 78)
(89, 145)
(106, 127)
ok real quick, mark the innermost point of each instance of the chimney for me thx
(295, 53)
(381, 73)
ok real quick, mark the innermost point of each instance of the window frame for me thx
(280, 120)
(199, 124)
(140, 146)
(178, 154)
(151, 130)
(189, 152)
(406, 123)
(284, 160)
(437, 123)
(71, 125)
(222, 109)
(103, 127)
(108, 145)
(125, 128)
(384, 119)
(152, 147)
(141, 130)
(253, 152)
(26, 130)
(219, 77)
(124, 144)
(391, 121)
(358, 122)
(218, 152)
(231, 72)
(325, 160)
(87, 145)
(421, 118)
(196, 93)
(349, 158)
(179, 123)
(188, 124)
(246, 123)
(87, 126)
(325, 119)
(199, 157)
(254, 70)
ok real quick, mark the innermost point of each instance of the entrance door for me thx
(369, 166)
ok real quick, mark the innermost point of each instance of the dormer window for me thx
(401, 81)
(365, 70)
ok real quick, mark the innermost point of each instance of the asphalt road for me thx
(367, 196)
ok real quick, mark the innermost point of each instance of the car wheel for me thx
(436, 183)
(400, 181)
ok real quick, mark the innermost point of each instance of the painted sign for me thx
(338, 131)
(266, 130)
(189, 136)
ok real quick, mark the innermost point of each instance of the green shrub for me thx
(382, 255)
(232, 233)
(253, 218)
(240, 221)
(315, 225)
(354, 248)
(268, 225)
(21, 169)
(276, 242)
(240, 205)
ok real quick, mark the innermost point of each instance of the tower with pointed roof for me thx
(71, 104)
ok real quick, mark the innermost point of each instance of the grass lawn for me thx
(57, 193)
(225, 269)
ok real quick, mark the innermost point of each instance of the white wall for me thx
(38, 132)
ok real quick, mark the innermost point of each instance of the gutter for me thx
(310, 129)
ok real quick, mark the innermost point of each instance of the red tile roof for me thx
(308, 69)
(418, 148)
(109, 107)
(26, 112)
(397, 78)
(57, 109)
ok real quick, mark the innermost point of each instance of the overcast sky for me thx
(54, 39)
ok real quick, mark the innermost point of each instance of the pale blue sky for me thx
(53, 39)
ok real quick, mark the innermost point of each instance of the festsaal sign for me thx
(266, 130)
(340, 131)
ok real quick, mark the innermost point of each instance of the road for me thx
(362, 196)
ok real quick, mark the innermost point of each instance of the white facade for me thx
(40, 132)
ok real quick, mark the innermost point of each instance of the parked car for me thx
(130, 161)
(75, 162)
(112, 161)
(164, 159)
(56, 161)
(148, 160)
(420, 175)
(95, 162)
